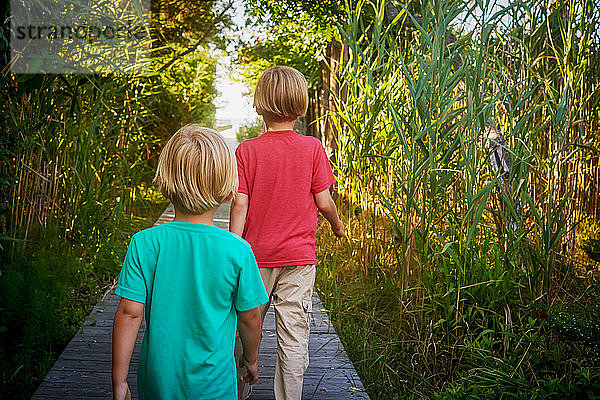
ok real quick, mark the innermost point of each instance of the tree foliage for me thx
(324, 12)
(296, 43)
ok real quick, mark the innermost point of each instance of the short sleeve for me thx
(243, 180)
(132, 284)
(251, 291)
(322, 174)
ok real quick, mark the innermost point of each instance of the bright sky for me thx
(491, 6)
(232, 105)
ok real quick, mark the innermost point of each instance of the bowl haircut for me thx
(281, 94)
(196, 170)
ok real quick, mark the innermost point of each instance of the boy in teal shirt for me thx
(197, 282)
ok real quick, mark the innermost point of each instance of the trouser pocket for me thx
(307, 306)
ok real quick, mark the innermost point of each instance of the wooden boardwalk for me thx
(83, 370)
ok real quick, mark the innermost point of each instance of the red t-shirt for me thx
(280, 171)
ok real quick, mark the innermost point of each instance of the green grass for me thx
(499, 344)
(48, 292)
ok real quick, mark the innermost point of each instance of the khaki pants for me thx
(290, 291)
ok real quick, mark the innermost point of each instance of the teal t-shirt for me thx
(192, 279)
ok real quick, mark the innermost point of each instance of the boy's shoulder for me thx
(224, 237)
(232, 238)
(308, 139)
(302, 140)
(149, 232)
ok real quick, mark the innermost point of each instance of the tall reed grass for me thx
(419, 131)
(465, 167)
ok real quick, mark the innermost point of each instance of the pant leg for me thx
(292, 300)
(269, 277)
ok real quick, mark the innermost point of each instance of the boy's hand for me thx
(251, 375)
(121, 392)
(338, 229)
(326, 205)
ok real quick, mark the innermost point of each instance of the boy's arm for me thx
(239, 209)
(249, 328)
(125, 329)
(327, 207)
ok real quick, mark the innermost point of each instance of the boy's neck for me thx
(280, 126)
(205, 218)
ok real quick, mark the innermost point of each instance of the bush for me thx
(592, 248)
(48, 290)
(458, 333)
(45, 298)
(249, 131)
(577, 323)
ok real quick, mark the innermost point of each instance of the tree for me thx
(182, 27)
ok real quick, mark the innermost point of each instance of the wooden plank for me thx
(83, 370)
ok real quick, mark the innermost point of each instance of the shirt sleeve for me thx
(243, 181)
(251, 291)
(132, 284)
(322, 174)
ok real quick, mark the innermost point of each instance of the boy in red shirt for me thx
(284, 178)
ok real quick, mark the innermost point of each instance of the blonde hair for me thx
(281, 94)
(196, 170)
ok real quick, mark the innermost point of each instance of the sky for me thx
(492, 6)
(232, 105)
